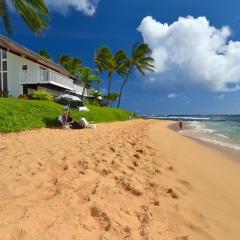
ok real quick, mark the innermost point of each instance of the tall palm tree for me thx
(73, 65)
(34, 13)
(140, 60)
(104, 60)
(87, 76)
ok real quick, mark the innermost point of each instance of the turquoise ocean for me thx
(222, 130)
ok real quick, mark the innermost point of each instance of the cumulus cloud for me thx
(172, 95)
(88, 7)
(191, 53)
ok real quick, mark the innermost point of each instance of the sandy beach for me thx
(126, 180)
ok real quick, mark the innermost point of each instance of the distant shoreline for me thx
(229, 152)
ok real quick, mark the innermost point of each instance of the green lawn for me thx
(17, 115)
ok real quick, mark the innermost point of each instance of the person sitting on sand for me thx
(67, 118)
(180, 123)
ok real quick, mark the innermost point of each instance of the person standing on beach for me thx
(180, 124)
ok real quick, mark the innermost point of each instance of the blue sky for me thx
(115, 23)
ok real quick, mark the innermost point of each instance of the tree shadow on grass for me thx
(52, 123)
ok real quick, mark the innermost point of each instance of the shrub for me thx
(23, 96)
(38, 95)
(3, 93)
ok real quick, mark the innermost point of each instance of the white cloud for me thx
(88, 7)
(221, 96)
(172, 95)
(192, 54)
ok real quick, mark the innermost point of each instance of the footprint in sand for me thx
(65, 167)
(135, 163)
(185, 183)
(139, 151)
(128, 187)
(127, 231)
(144, 219)
(183, 238)
(102, 218)
(112, 149)
(136, 156)
(172, 193)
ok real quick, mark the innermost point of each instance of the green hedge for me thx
(39, 95)
(19, 114)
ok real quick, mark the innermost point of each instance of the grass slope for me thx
(17, 115)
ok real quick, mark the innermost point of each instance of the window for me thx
(4, 54)
(24, 67)
(3, 71)
(4, 65)
(5, 83)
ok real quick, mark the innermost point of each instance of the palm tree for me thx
(73, 65)
(140, 60)
(97, 95)
(34, 13)
(112, 98)
(87, 76)
(104, 60)
(45, 54)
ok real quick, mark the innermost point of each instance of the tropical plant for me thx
(34, 13)
(45, 54)
(105, 61)
(140, 60)
(72, 64)
(112, 98)
(97, 95)
(87, 76)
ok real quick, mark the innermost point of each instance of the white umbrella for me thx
(69, 98)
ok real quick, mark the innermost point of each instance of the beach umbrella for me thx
(71, 101)
(68, 98)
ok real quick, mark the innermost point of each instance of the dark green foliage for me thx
(17, 114)
(34, 13)
(3, 94)
(72, 64)
(45, 54)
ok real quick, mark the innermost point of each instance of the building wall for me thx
(15, 89)
(15, 64)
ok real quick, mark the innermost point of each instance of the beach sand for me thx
(130, 180)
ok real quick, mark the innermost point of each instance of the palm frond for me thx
(4, 14)
(34, 14)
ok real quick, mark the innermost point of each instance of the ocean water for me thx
(223, 130)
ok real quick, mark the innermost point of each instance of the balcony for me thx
(51, 77)
(45, 77)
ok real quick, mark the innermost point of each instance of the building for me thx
(23, 71)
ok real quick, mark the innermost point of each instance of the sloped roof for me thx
(17, 49)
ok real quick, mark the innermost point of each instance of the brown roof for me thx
(16, 48)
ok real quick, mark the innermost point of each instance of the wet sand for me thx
(128, 180)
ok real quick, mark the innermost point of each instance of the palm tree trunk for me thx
(83, 93)
(109, 85)
(121, 89)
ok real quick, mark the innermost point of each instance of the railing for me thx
(49, 76)
(45, 76)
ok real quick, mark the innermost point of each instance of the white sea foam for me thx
(199, 131)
